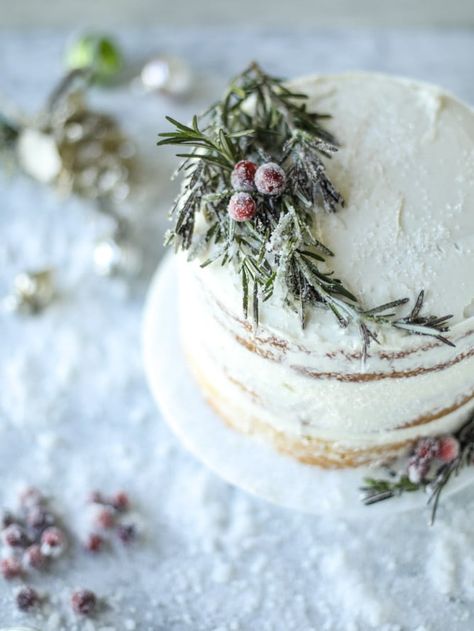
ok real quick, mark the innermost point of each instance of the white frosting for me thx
(406, 171)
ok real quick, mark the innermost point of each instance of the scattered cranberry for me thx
(96, 497)
(126, 533)
(53, 542)
(38, 519)
(84, 602)
(30, 497)
(242, 207)
(106, 518)
(34, 558)
(27, 598)
(7, 519)
(15, 536)
(121, 501)
(94, 543)
(270, 179)
(243, 176)
(10, 568)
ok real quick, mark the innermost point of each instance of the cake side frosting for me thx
(357, 414)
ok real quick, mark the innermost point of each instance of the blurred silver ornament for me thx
(96, 158)
(38, 155)
(32, 291)
(75, 148)
(116, 257)
(167, 74)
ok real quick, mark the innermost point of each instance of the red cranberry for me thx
(242, 207)
(53, 542)
(31, 496)
(10, 568)
(426, 449)
(27, 598)
(94, 543)
(243, 176)
(34, 558)
(84, 602)
(38, 519)
(8, 519)
(96, 497)
(15, 536)
(121, 501)
(106, 518)
(126, 533)
(270, 179)
(417, 471)
(448, 448)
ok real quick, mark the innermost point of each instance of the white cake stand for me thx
(242, 460)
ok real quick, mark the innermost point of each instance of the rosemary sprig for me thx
(376, 490)
(261, 119)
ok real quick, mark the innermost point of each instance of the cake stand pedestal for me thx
(242, 460)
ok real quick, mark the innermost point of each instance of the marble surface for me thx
(76, 414)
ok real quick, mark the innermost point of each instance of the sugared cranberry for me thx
(8, 519)
(243, 176)
(31, 496)
(448, 448)
(426, 450)
(417, 471)
(10, 568)
(242, 207)
(94, 543)
(120, 501)
(38, 519)
(27, 598)
(15, 536)
(34, 558)
(105, 518)
(53, 542)
(126, 533)
(84, 602)
(270, 179)
(96, 497)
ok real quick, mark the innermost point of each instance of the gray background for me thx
(315, 13)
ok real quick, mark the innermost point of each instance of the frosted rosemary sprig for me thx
(268, 234)
(429, 468)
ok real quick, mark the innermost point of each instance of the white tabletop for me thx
(76, 413)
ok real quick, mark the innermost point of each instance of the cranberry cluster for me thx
(109, 517)
(427, 451)
(31, 537)
(247, 177)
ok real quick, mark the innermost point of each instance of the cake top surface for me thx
(405, 168)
